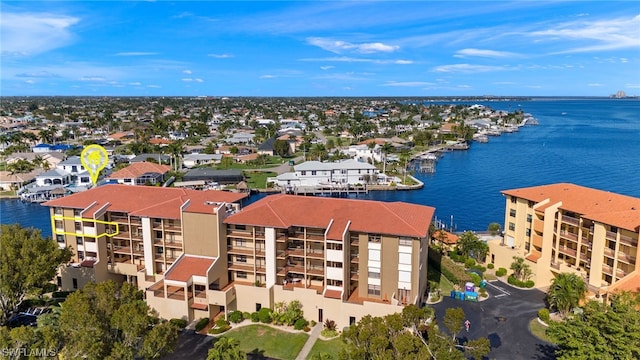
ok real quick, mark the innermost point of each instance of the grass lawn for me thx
(258, 179)
(267, 341)
(331, 347)
(539, 331)
(445, 285)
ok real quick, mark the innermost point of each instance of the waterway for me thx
(593, 143)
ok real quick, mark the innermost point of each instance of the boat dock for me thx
(333, 190)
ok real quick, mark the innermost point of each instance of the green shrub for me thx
(306, 329)
(490, 266)
(236, 317)
(479, 268)
(221, 322)
(219, 330)
(202, 323)
(529, 284)
(49, 288)
(543, 314)
(451, 270)
(329, 333)
(457, 257)
(300, 324)
(483, 292)
(60, 294)
(469, 263)
(255, 317)
(179, 323)
(246, 315)
(475, 278)
(523, 284)
(265, 315)
(501, 272)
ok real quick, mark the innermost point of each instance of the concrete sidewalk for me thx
(313, 336)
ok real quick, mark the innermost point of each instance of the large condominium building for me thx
(196, 255)
(563, 228)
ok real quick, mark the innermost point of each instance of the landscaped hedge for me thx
(202, 323)
(236, 317)
(265, 315)
(255, 317)
(179, 323)
(543, 314)
(219, 330)
(490, 266)
(300, 324)
(448, 268)
(456, 257)
(501, 272)
(523, 284)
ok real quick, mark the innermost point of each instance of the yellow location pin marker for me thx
(94, 158)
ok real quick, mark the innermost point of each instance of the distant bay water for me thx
(588, 142)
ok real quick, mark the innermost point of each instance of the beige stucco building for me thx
(195, 253)
(563, 228)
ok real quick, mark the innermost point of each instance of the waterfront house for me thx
(140, 173)
(192, 160)
(562, 228)
(315, 173)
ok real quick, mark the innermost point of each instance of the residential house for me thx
(140, 173)
(314, 173)
(191, 160)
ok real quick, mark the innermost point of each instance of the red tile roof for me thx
(283, 211)
(333, 294)
(629, 283)
(136, 170)
(602, 206)
(188, 266)
(449, 239)
(148, 201)
(199, 306)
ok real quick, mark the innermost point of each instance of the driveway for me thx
(504, 320)
(193, 346)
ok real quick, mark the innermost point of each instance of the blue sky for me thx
(320, 48)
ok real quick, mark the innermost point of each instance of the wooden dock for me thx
(333, 190)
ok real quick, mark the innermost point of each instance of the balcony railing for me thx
(620, 273)
(626, 258)
(629, 241)
(568, 235)
(611, 235)
(607, 269)
(316, 253)
(567, 250)
(555, 265)
(570, 220)
(240, 233)
(609, 252)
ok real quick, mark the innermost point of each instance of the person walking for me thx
(467, 324)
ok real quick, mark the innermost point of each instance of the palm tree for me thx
(566, 292)
(386, 148)
(521, 271)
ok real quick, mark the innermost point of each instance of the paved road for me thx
(192, 346)
(504, 319)
(280, 169)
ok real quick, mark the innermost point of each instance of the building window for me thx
(527, 246)
(313, 172)
(374, 238)
(334, 246)
(373, 290)
(303, 173)
(343, 171)
(79, 240)
(374, 275)
(512, 226)
(76, 212)
(241, 258)
(406, 241)
(159, 250)
(59, 281)
(75, 283)
(512, 212)
(60, 238)
(57, 211)
(352, 320)
(527, 232)
(529, 217)
(334, 264)
(81, 255)
(241, 227)
(241, 275)
(513, 200)
(333, 282)
(240, 243)
(78, 226)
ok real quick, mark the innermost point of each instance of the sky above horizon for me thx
(320, 48)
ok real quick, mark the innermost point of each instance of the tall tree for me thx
(521, 270)
(27, 262)
(566, 292)
(471, 246)
(601, 331)
(109, 321)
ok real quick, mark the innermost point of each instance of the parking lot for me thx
(504, 319)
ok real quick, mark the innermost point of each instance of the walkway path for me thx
(313, 336)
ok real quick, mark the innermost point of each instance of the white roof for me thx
(338, 165)
(202, 157)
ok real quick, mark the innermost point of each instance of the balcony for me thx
(241, 267)
(555, 265)
(260, 235)
(315, 270)
(570, 220)
(585, 241)
(620, 273)
(222, 296)
(536, 240)
(281, 238)
(122, 235)
(315, 253)
(538, 226)
(119, 219)
(609, 252)
(355, 259)
(295, 252)
(568, 235)
(313, 236)
(611, 235)
(629, 241)
(173, 244)
(239, 250)
(281, 254)
(626, 258)
(119, 249)
(607, 269)
(567, 250)
(355, 242)
(247, 234)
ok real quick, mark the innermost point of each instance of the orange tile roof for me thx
(283, 211)
(450, 238)
(136, 170)
(610, 208)
(188, 266)
(534, 256)
(333, 294)
(148, 201)
(199, 306)
(629, 283)
(160, 141)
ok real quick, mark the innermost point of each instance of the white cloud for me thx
(136, 53)
(37, 74)
(34, 33)
(407, 83)
(187, 72)
(220, 56)
(348, 59)
(403, 62)
(594, 84)
(198, 80)
(192, 80)
(338, 46)
(30, 81)
(135, 83)
(469, 68)
(327, 67)
(267, 76)
(154, 86)
(470, 52)
(92, 78)
(612, 34)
